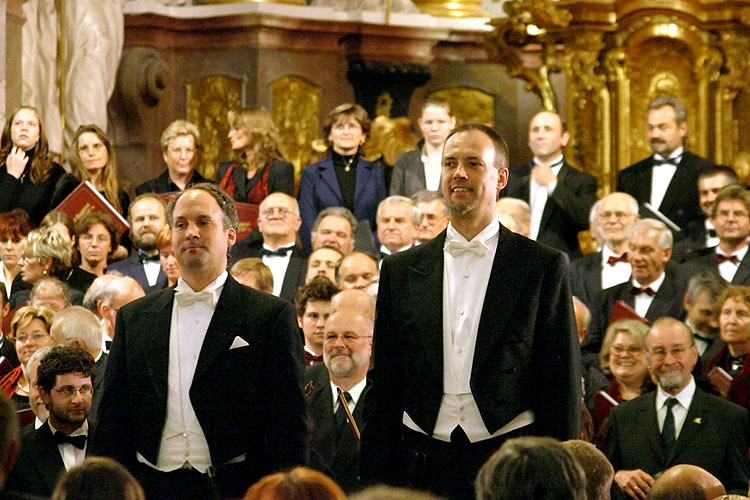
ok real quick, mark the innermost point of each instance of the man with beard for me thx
(668, 178)
(676, 424)
(347, 346)
(474, 339)
(65, 378)
(146, 216)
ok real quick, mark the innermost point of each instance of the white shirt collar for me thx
(739, 253)
(685, 397)
(355, 392)
(555, 164)
(215, 285)
(607, 253)
(655, 285)
(485, 235)
(676, 153)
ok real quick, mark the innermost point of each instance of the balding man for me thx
(106, 295)
(676, 424)
(609, 267)
(356, 300)
(514, 214)
(275, 242)
(686, 482)
(560, 196)
(397, 219)
(357, 270)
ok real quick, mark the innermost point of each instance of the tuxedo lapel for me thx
(291, 277)
(548, 207)
(649, 424)
(348, 445)
(46, 457)
(743, 271)
(680, 181)
(697, 416)
(158, 319)
(645, 187)
(324, 430)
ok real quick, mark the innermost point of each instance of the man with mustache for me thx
(146, 216)
(667, 179)
(676, 424)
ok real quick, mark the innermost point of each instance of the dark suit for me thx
(408, 173)
(280, 179)
(586, 278)
(39, 464)
(338, 458)
(692, 244)
(163, 184)
(101, 367)
(526, 358)
(247, 400)
(714, 437)
(666, 302)
(295, 271)
(566, 211)
(319, 189)
(132, 267)
(680, 202)
(707, 262)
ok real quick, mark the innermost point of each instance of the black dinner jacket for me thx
(714, 437)
(690, 247)
(39, 464)
(566, 211)
(586, 278)
(408, 173)
(132, 267)
(526, 339)
(707, 262)
(295, 271)
(667, 302)
(248, 400)
(163, 184)
(680, 202)
(337, 458)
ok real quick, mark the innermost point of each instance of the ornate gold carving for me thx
(389, 137)
(208, 102)
(469, 105)
(451, 8)
(296, 104)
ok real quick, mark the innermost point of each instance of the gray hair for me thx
(705, 281)
(100, 290)
(665, 235)
(516, 208)
(397, 199)
(76, 322)
(594, 213)
(680, 114)
(632, 202)
(339, 211)
(37, 356)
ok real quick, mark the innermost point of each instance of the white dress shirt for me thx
(680, 410)
(277, 264)
(613, 275)
(355, 393)
(661, 176)
(728, 269)
(151, 268)
(432, 170)
(538, 196)
(643, 300)
(72, 456)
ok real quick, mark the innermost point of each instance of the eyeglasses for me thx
(676, 352)
(267, 213)
(738, 214)
(619, 350)
(349, 338)
(70, 391)
(36, 337)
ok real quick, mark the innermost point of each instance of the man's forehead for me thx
(276, 200)
(335, 221)
(546, 118)
(196, 201)
(470, 143)
(147, 205)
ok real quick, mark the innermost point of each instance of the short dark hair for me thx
(678, 491)
(98, 477)
(680, 114)
(436, 101)
(354, 254)
(732, 192)
(61, 360)
(724, 170)
(225, 202)
(346, 109)
(501, 147)
(319, 288)
(91, 219)
(342, 212)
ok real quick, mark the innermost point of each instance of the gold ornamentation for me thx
(208, 102)
(389, 137)
(296, 104)
(469, 105)
(451, 8)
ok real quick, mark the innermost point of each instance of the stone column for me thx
(11, 21)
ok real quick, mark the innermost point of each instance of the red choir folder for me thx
(247, 212)
(86, 199)
(623, 311)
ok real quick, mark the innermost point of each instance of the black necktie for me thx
(147, 258)
(280, 252)
(668, 429)
(667, 161)
(77, 441)
(340, 414)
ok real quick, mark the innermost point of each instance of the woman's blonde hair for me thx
(262, 132)
(109, 173)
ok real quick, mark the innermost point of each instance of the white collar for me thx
(607, 253)
(182, 286)
(685, 397)
(675, 154)
(556, 163)
(485, 235)
(355, 392)
(654, 285)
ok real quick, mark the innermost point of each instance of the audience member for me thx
(35, 400)
(335, 227)
(323, 262)
(559, 195)
(686, 482)
(275, 243)
(433, 214)
(667, 179)
(9, 443)
(702, 309)
(295, 484)
(420, 168)
(534, 468)
(14, 226)
(518, 211)
(334, 181)
(65, 379)
(591, 372)
(147, 217)
(98, 478)
(312, 302)
(97, 239)
(599, 472)
(608, 267)
(106, 295)
(46, 253)
(181, 148)
(167, 259)
(383, 492)
(50, 292)
(397, 219)
(260, 169)
(357, 270)
(676, 424)
(60, 222)
(28, 174)
(252, 272)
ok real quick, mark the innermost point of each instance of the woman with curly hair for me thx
(46, 253)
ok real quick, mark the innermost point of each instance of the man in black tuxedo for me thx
(201, 395)
(730, 258)
(560, 196)
(668, 178)
(346, 359)
(656, 286)
(676, 424)
(65, 379)
(474, 339)
(275, 243)
(701, 234)
(594, 272)
(702, 308)
(146, 216)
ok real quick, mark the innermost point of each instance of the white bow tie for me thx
(458, 248)
(188, 298)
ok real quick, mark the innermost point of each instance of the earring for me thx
(44, 272)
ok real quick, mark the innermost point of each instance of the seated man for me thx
(65, 381)
(397, 219)
(676, 424)
(433, 214)
(252, 272)
(686, 482)
(313, 304)
(357, 270)
(346, 356)
(106, 295)
(275, 243)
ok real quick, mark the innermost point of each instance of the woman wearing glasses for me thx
(729, 369)
(29, 331)
(623, 359)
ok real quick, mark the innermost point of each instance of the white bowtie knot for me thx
(186, 298)
(458, 248)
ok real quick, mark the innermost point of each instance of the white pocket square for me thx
(238, 342)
